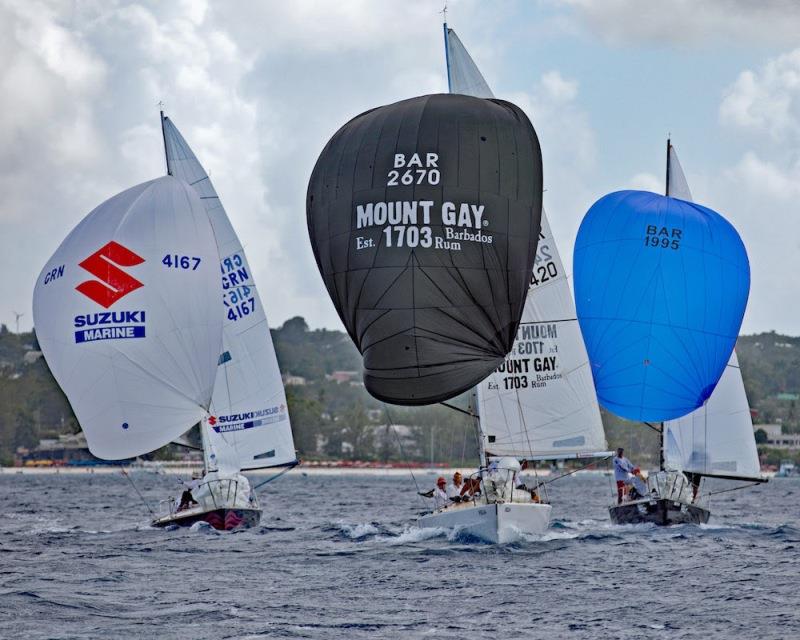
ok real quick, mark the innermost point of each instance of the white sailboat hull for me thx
(498, 523)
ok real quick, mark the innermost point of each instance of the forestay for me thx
(716, 439)
(249, 412)
(123, 313)
(541, 402)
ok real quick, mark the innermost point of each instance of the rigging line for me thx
(277, 475)
(654, 428)
(742, 486)
(459, 409)
(569, 473)
(127, 475)
(402, 452)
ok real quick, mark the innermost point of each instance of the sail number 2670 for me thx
(415, 168)
(175, 261)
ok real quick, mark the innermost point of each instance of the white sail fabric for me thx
(191, 439)
(716, 439)
(219, 452)
(462, 72)
(677, 187)
(541, 402)
(249, 411)
(124, 314)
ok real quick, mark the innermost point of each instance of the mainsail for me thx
(541, 402)
(716, 439)
(123, 314)
(249, 422)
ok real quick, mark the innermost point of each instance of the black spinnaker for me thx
(424, 217)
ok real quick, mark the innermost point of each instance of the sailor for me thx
(694, 480)
(456, 488)
(623, 468)
(471, 488)
(440, 499)
(438, 493)
(521, 485)
(187, 499)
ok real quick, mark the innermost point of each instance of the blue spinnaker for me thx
(661, 287)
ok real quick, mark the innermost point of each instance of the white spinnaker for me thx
(249, 412)
(138, 368)
(541, 402)
(716, 439)
(555, 414)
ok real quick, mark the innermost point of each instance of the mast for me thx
(447, 51)
(164, 138)
(205, 444)
(477, 418)
(663, 431)
(667, 181)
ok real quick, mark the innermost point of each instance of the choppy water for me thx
(340, 558)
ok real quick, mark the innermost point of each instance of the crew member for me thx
(694, 480)
(623, 468)
(440, 499)
(521, 484)
(455, 488)
(187, 499)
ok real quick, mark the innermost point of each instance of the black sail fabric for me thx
(424, 217)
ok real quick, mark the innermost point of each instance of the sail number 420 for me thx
(176, 261)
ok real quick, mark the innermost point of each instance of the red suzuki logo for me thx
(212, 420)
(115, 283)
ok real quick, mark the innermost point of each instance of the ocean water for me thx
(340, 557)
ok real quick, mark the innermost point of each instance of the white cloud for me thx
(690, 22)
(766, 101)
(646, 182)
(569, 153)
(558, 89)
(766, 178)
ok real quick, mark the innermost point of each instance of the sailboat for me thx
(714, 441)
(540, 404)
(248, 425)
(125, 315)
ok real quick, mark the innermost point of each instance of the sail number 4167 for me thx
(175, 261)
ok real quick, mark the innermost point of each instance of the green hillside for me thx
(337, 418)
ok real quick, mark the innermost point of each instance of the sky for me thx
(257, 89)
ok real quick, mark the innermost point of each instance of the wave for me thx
(358, 531)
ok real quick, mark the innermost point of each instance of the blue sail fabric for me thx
(661, 287)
